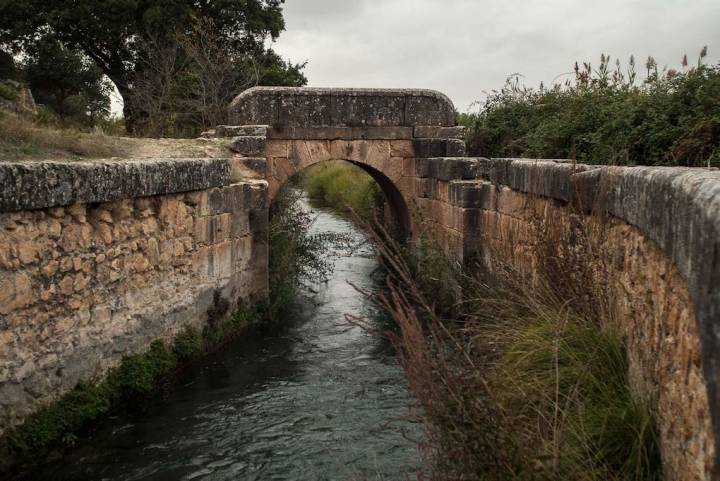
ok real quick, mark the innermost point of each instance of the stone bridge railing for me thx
(97, 259)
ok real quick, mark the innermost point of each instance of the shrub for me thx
(187, 344)
(604, 117)
(7, 92)
(297, 257)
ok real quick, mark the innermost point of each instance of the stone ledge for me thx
(435, 132)
(341, 107)
(448, 168)
(37, 185)
(239, 130)
(249, 146)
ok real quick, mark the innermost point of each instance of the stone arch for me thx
(283, 130)
(373, 156)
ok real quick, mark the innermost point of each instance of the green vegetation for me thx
(513, 380)
(606, 117)
(130, 385)
(7, 92)
(343, 186)
(136, 377)
(65, 82)
(176, 63)
(298, 258)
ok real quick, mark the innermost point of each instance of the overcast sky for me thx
(465, 47)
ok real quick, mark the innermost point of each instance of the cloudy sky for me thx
(466, 47)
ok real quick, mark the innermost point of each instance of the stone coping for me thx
(341, 107)
(340, 133)
(37, 185)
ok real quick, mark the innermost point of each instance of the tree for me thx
(114, 33)
(8, 70)
(65, 81)
(185, 83)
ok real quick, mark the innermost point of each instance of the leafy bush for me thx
(604, 117)
(297, 257)
(7, 92)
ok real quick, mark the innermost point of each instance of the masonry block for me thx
(426, 148)
(455, 148)
(250, 146)
(473, 194)
(241, 130)
(438, 132)
(447, 168)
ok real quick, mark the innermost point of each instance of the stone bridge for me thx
(98, 259)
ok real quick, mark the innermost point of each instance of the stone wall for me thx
(85, 279)
(97, 259)
(596, 232)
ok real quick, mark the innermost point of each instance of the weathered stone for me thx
(248, 167)
(308, 107)
(402, 148)
(341, 133)
(81, 281)
(455, 148)
(437, 132)
(66, 285)
(241, 130)
(249, 146)
(472, 194)
(27, 252)
(50, 268)
(446, 169)
(425, 148)
(104, 232)
(34, 185)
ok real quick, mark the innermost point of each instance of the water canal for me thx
(315, 398)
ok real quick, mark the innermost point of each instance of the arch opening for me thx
(397, 208)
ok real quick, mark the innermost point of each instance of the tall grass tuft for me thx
(512, 381)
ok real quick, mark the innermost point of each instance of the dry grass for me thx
(512, 380)
(20, 138)
(23, 139)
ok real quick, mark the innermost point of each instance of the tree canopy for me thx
(63, 80)
(115, 34)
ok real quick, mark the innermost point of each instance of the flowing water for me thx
(315, 399)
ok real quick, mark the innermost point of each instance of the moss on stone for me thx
(137, 377)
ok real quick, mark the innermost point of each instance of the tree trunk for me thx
(128, 110)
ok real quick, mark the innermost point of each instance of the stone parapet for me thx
(326, 107)
(37, 185)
